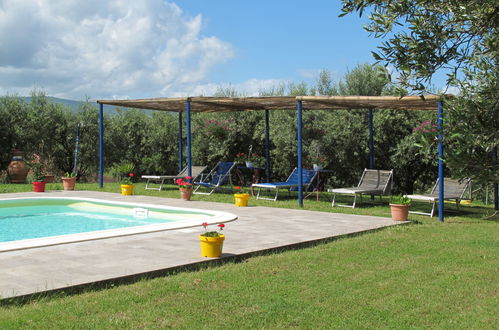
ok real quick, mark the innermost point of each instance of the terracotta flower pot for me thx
(399, 212)
(69, 183)
(185, 194)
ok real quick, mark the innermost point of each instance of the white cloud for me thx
(250, 87)
(451, 90)
(74, 48)
(309, 73)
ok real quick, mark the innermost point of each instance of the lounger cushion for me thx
(355, 190)
(274, 185)
(431, 197)
(159, 177)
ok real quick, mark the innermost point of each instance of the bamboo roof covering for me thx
(231, 104)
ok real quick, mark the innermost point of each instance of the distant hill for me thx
(69, 103)
(74, 105)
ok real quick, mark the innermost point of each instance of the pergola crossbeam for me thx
(235, 104)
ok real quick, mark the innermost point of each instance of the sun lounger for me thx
(372, 182)
(160, 179)
(218, 176)
(453, 190)
(291, 183)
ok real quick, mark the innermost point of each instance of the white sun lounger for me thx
(372, 182)
(453, 190)
(160, 179)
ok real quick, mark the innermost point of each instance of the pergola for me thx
(189, 105)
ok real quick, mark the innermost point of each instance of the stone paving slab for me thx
(36, 270)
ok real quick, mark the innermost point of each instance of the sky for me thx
(110, 49)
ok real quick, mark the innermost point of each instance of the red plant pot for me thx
(38, 186)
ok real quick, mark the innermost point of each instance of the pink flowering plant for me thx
(426, 127)
(426, 134)
(214, 233)
(220, 129)
(187, 183)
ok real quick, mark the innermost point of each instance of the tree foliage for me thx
(150, 140)
(461, 38)
(447, 35)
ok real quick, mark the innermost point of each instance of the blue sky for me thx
(283, 39)
(156, 48)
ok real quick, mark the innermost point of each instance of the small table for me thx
(320, 182)
(255, 177)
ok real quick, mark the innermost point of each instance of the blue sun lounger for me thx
(218, 176)
(291, 183)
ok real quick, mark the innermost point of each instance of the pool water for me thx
(22, 219)
(52, 220)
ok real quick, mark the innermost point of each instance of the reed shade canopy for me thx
(294, 103)
(232, 104)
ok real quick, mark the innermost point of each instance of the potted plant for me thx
(38, 176)
(185, 188)
(69, 180)
(124, 173)
(241, 198)
(211, 242)
(399, 206)
(127, 184)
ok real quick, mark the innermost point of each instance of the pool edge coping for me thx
(219, 217)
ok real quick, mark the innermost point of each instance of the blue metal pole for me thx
(180, 151)
(496, 187)
(267, 145)
(300, 170)
(440, 162)
(101, 145)
(371, 138)
(188, 131)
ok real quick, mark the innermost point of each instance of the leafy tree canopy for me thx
(440, 34)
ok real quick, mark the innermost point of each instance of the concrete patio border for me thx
(76, 266)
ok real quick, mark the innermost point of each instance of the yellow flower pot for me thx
(241, 199)
(127, 189)
(211, 247)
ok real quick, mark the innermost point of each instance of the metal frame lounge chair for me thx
(218, 176)
(453, 190)
(291, 183)
(372, 182)
(160, 179)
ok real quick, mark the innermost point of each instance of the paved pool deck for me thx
(77, 265)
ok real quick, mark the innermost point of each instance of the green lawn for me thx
(426, 274)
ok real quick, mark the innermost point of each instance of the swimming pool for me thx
(35, 222)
